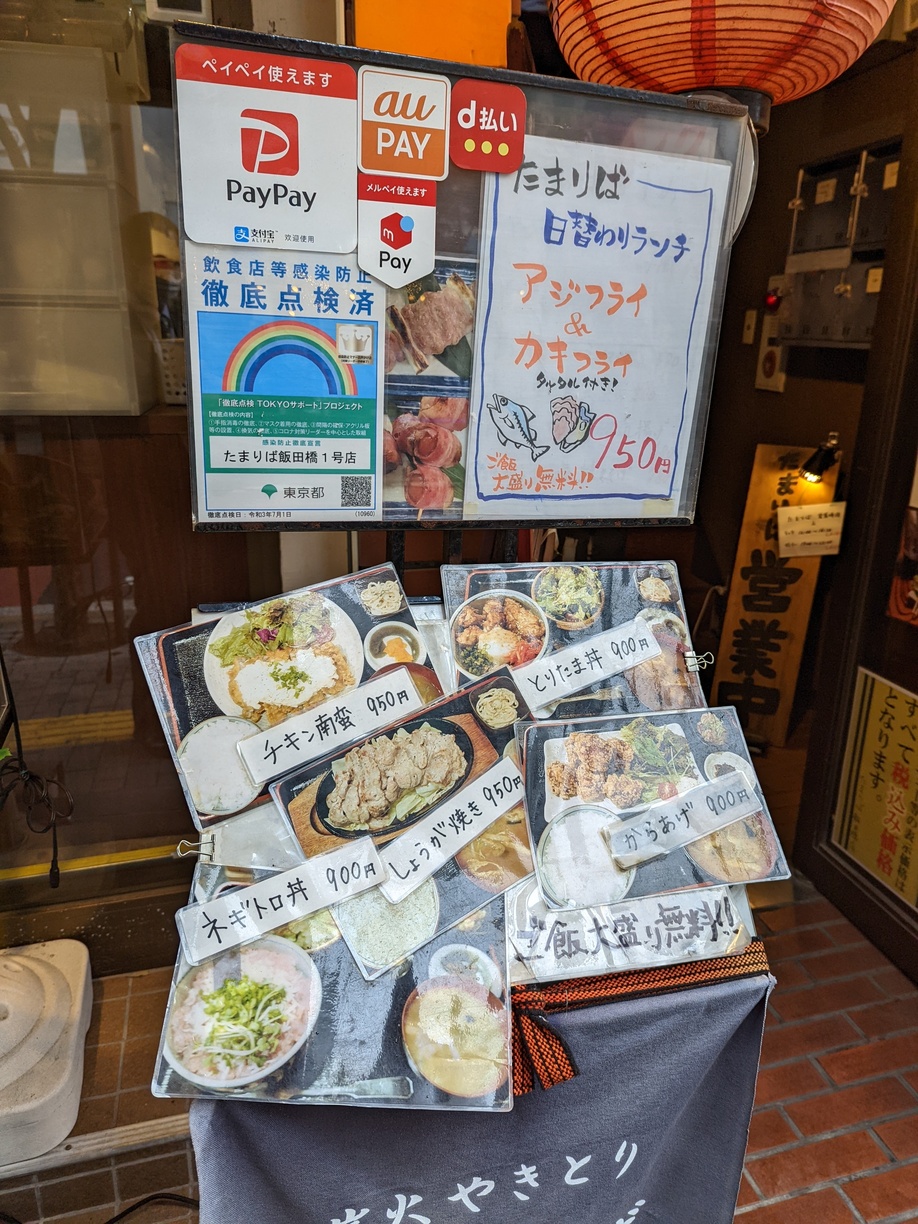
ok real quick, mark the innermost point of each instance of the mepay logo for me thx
(270, 143)
(395, 230)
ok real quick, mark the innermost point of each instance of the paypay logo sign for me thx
(270, 142)
(268, 148)
(404, 123)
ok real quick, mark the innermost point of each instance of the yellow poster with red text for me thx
(876, 818)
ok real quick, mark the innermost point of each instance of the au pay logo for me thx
(270, 142)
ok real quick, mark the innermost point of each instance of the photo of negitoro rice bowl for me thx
(236, 1019)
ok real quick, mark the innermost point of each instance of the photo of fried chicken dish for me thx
(595, 770)
(636, 766)
(382, 782)
(496, 631)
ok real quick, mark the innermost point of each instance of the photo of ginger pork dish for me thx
(388, 782)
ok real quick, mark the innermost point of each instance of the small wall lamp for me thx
(825, 456)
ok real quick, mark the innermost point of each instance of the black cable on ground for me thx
(181, 1200)
(45, 799)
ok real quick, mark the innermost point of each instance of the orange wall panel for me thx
(472, 32)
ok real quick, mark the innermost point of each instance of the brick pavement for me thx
(834, 1135)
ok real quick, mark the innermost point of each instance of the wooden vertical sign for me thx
(770, 598)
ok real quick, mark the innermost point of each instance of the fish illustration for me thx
(513, 422)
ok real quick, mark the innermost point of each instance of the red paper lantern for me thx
(781, 48)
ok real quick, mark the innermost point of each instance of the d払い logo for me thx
(270, 142)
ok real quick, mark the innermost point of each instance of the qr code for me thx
(356, 490)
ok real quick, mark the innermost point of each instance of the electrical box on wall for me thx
(770, 366)
(834, 268)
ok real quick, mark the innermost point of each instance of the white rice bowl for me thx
(213, 770)
(273, 960)
(576, 868)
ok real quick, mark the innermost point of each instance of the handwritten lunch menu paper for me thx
(810, 531)
(576, 667)
(433, 841)
(635, 934)
(675, 822)
(306, 737)
(246, 913)
(597, 275)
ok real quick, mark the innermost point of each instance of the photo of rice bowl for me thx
(279, 658)
(213, 770)
(381, 934)
(236, 1019)
(576, 868)
(497, 629)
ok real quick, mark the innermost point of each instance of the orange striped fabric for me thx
(538, 1051)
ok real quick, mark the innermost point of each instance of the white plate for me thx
(589, 876)
(472, 963)
(392, 628)
(555, 750)
(347, 638)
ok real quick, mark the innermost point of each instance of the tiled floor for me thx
(834, 1136)
(121, 1045)
(120, 1050)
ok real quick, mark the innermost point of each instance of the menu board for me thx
(597, 279)
(380, 863)
(441, 795)
(290, 1018)
(547, 621)
(266, 687)
(632, 807)
(394, 307)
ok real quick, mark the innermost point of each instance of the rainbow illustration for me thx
(287, 338)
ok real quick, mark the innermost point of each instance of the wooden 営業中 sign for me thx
(770, 598)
